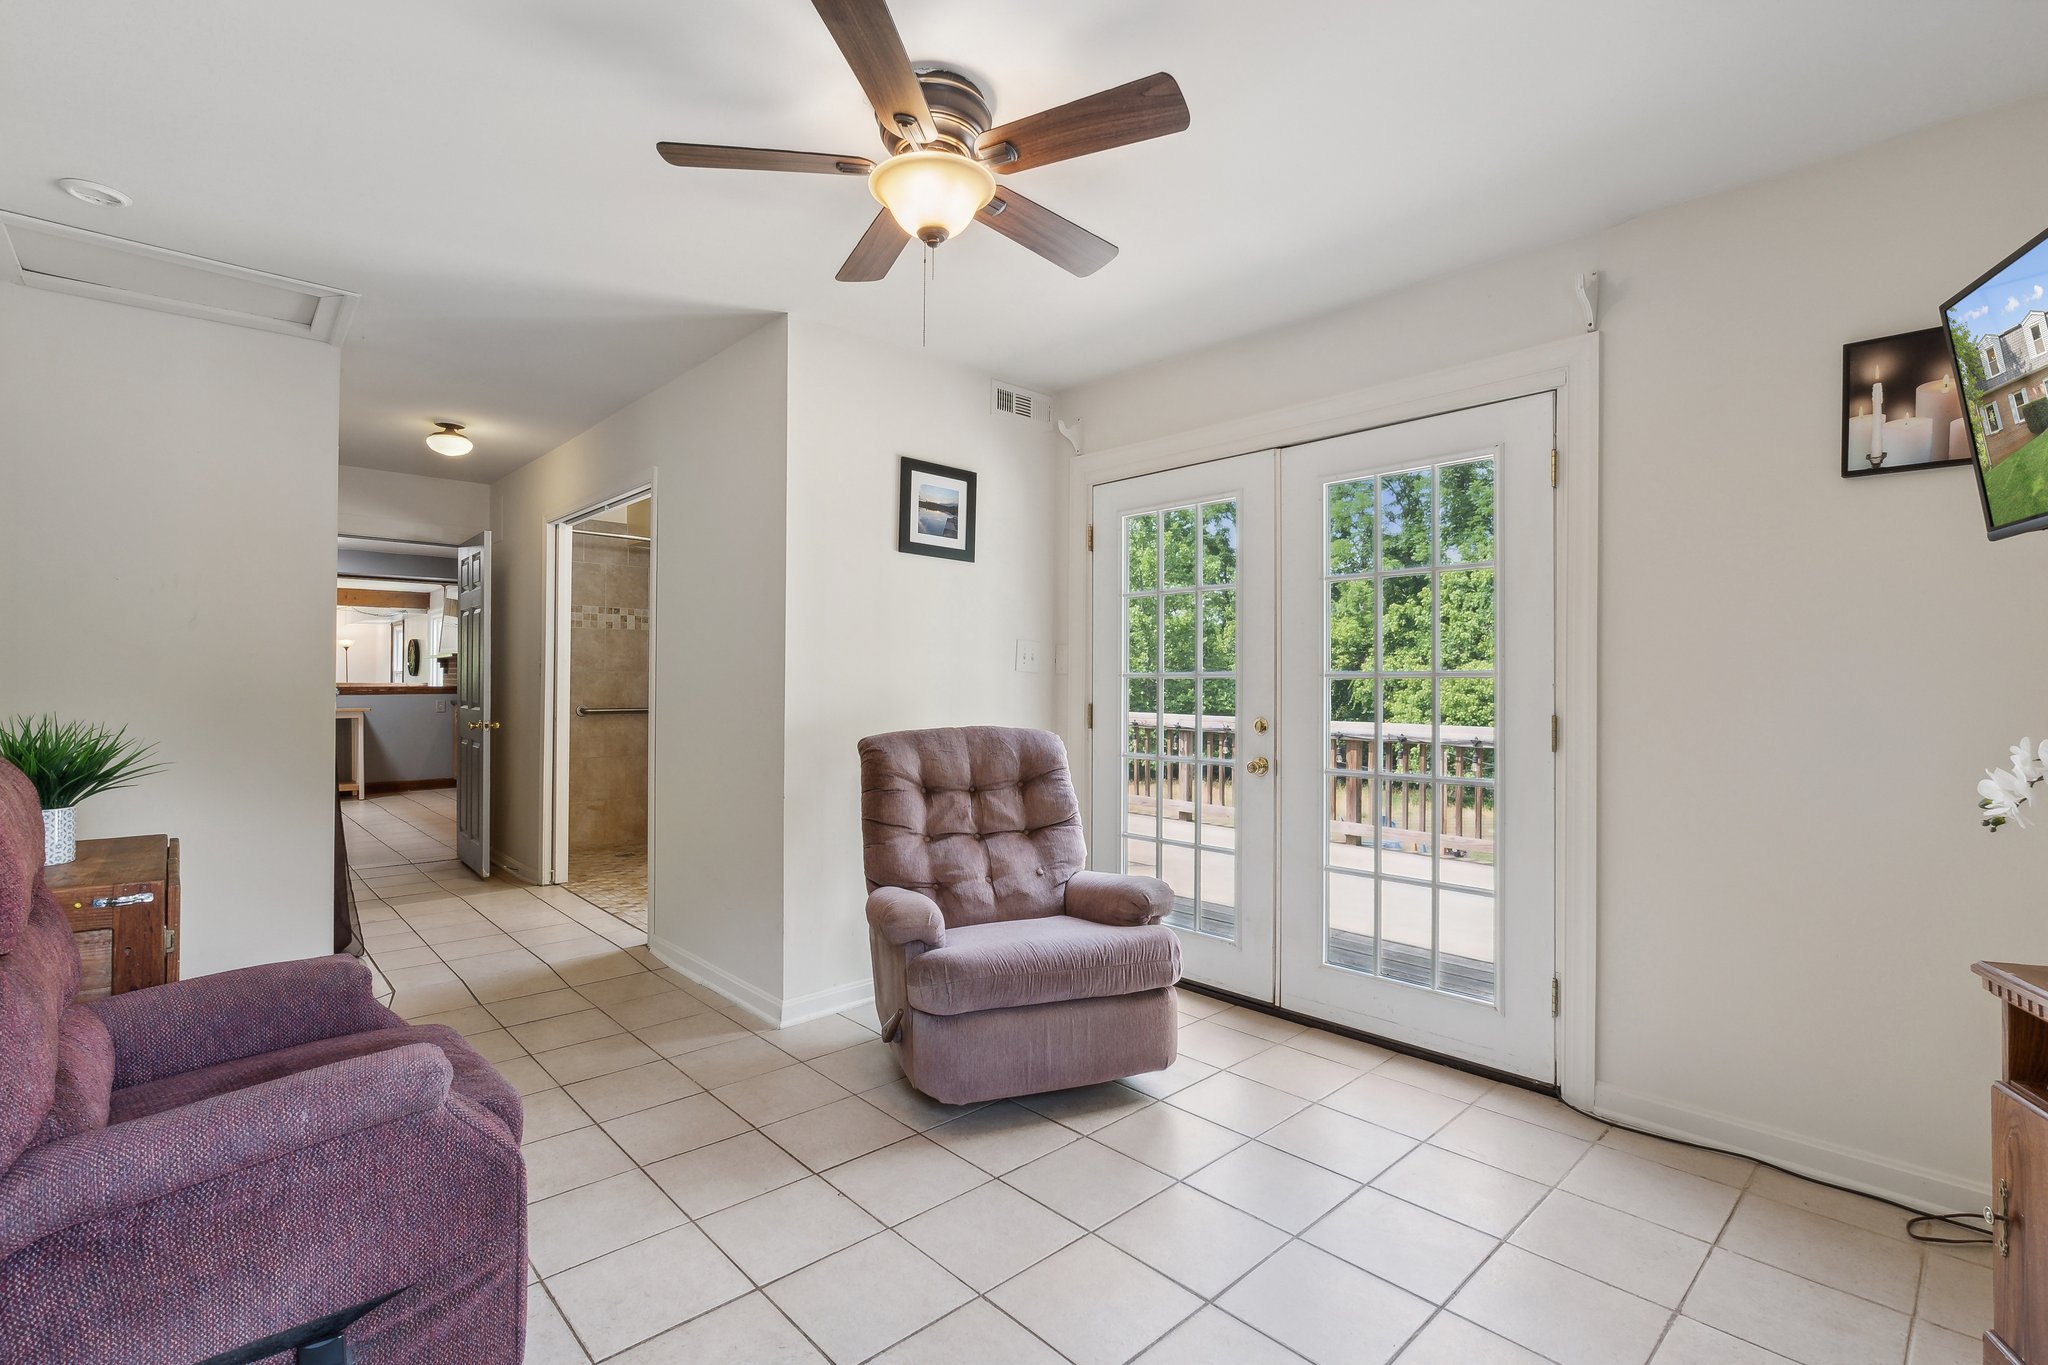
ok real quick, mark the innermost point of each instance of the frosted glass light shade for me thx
(449, 440)
(932, 195)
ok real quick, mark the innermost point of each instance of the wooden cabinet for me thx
(121, 896)
(2019, 1168)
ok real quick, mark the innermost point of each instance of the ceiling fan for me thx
(945, 149)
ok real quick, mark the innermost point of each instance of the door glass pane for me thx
(1180, 547)
(1405, 525)
(1180, 769)
(1141, 552)
(1468, 954)
(1410, 871)
(1351, 626)
(1219, 543)
(1219, 632)
(1180, 632)
(1351, 522)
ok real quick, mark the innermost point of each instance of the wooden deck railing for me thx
(1196, 766)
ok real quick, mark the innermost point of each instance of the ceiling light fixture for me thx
(932, 195)
(449, 440)
(93, 192)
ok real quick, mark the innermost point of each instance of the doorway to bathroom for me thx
(603, 633)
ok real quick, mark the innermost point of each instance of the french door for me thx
(1183, 660)
(1330, 671)
(473, 723)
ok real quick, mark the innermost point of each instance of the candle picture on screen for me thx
(1998, 334)
(1902, 407)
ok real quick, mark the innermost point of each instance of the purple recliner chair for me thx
(1001, 967)
(241, 1167)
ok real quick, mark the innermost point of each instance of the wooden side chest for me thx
(121, 896)
(2019, 1168)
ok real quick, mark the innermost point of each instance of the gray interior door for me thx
(474, 726)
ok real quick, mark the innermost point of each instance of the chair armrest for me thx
(103, 1171)
(167, 1030)
(1109, 898)
(903, 916)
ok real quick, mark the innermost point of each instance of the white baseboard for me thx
(849, 995)
(763, 1005)
(1885, 1177)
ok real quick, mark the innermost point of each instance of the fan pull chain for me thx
(924, 299)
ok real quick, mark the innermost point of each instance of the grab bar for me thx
(611, 710)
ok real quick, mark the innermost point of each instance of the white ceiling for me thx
(483, 171)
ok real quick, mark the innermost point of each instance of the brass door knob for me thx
(476, 725)
(1257, 767)
(492, 725)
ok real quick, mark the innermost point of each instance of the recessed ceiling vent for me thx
(1011, 401)
(69, 260)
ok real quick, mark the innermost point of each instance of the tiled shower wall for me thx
(608, 635)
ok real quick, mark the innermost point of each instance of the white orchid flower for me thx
(2026, 761)
(2000, 796)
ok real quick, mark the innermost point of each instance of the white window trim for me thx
(2018, 398)
(1993, 424)
(1568, 368)
(1993, 354)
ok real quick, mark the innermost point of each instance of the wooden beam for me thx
(379, 597)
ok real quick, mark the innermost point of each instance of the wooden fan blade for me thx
(877, 250)
(867, 38)
(1070, 247)
(1142, 109)
(760, 159)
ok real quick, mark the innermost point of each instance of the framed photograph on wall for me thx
(935, 510)
(1998, 328)
(1909, 381)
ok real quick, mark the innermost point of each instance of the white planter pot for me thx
(60, 836)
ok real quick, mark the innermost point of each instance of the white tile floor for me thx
(705, 1189)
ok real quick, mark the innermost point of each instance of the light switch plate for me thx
(1027, 657)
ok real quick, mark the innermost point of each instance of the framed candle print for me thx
(1902, 407)
(1998, 334)
(935, 510)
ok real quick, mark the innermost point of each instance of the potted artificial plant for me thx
(68, 762)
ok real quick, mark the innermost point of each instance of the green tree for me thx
(1970, 368)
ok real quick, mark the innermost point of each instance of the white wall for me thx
(712, 442)
(150, 461)
(379, 503)
(878, 640)
(1802, 677)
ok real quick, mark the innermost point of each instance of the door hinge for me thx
(170, 941)
(1553, 733)
(1091, 715)
(1553, 466)
(1556, 994)
(1091, 536)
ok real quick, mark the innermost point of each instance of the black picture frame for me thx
(1902, 362)
(916, 533)
(1979, 438)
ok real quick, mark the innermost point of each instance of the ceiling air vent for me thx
(69, 260)
(1010, 401)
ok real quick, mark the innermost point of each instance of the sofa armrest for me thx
(167, 1030)
(103, 1171)
(902, 916)
(1110, 898)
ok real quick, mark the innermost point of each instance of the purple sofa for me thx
(1001, 967)
(194, 1169)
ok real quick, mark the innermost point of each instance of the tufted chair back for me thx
(981, 819)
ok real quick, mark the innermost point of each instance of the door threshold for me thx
(1360, 1035)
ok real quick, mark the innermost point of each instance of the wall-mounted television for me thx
(1998, 330)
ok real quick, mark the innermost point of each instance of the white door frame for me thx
(1570, 368)
(554, 783)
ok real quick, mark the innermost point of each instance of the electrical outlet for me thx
(1027, 656)
(440, 706)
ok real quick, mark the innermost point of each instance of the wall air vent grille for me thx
(1010, 401)
(69, 260)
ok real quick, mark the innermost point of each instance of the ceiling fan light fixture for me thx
(932, 195)
(447, 439)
